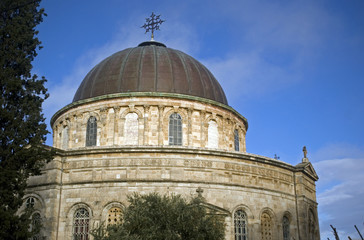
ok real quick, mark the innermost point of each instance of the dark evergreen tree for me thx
(22, 127)
(156, 217)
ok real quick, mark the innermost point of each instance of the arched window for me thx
(311, 226)
(266, 227)
(30, 202)
(131, 129)
(65, 137)
(35, 225)
(285, 227)
(114, 215)
(213, 137)
(236, 140)
(91, 132)
(81, 221)
(175, 129)
(240, 225)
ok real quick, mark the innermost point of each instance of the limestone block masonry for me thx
(133, 154)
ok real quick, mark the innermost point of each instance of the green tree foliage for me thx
(156, 217)
(22, 127)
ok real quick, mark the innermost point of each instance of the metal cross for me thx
(152, 23)
(304, 150)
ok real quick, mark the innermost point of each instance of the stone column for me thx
(116, 129)
(146, 125)
(202, 128)
(160, 124)
(189, 127)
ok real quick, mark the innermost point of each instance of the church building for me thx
(154, 119)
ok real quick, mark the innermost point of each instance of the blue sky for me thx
(294, 69)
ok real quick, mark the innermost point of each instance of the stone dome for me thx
(150, 67)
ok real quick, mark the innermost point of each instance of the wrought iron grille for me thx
(266, 226)
(91, 132)
(114, 216)
(30, 202)
(240, 225)
(285, 225)
(36, 223)
(175, 129)
(81, 224)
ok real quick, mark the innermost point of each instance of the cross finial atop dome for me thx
(152, 23)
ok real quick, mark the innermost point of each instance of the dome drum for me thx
(150, 123)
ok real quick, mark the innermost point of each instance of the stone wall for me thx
(103, 177)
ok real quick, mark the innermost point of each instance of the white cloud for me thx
(340, 191)
(251, 73)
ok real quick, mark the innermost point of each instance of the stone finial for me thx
(199, 191)
(304, 150)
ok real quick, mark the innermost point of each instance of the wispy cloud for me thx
(341, 192)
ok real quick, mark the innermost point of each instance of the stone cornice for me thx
(146, 94)
(175, 149)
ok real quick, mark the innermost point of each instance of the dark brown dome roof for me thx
(150, 67)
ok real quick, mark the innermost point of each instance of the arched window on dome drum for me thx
(175, 129)
(131, 129)
(81, 222)
(114, 215)
(236, 140)
(240, 225)
(91, 132)
(65, 138)
(285, 227)
(266, 227)
(213, 136)
(35, 225)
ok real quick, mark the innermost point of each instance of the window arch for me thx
(236, 140)
(91, 132)
(81, 221)
(285, 227)
(131, 129)
(240, 225)
(266, 227)
(114, 215)
(213, 135)
(175, 129)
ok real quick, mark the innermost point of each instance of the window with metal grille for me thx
(175, 129)
(213, 136)
(91, 132)
(30, 202)
(114, 215)
(285, 226)
(266, 227)
(35, 225)
(81, 222)
(236, 140)
(131, 129)
(240, 225)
